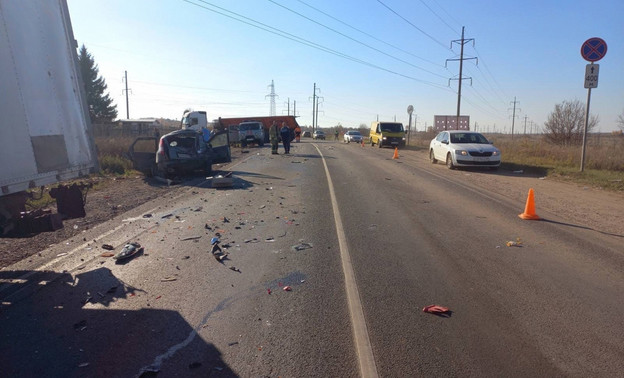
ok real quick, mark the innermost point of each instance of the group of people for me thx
(285, 133)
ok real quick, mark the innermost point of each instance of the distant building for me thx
(449, 122)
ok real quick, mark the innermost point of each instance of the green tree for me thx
(566, 123)
(101, 107)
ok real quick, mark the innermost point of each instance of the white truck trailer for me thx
(45, 128)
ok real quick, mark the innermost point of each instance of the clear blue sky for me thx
(368, 58)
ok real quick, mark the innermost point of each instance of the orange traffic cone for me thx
(529, 210)
(396, 153)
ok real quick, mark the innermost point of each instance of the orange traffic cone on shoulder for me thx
(396, 153)
(529, 209)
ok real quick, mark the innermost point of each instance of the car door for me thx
(220, 145)
(439, 146)
(142, 153)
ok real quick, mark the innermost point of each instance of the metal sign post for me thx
(592, 50)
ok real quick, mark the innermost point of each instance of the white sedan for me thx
(460, 148)
(353, 136)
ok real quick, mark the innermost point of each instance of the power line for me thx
(353, 39)
(369, 35)
(300, 40)
(440, 18)
(414, 26)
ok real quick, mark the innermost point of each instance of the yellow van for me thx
(385, 134)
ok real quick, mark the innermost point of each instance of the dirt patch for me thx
(113, 196)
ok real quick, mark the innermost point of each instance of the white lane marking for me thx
(360, 332)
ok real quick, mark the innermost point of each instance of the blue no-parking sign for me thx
(594, 49)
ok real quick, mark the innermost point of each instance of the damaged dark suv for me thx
(179, 153)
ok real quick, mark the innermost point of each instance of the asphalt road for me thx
(414, 234)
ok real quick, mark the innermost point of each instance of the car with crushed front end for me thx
(352, 136)
(179, 153)
(462, 148)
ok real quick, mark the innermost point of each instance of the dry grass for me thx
(604, 164)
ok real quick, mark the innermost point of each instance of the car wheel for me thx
(379, 144)
(449, 161)
(432, 158)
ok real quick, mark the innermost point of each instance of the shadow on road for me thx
(59, 325)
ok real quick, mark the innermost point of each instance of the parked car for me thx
(318, 134)
(353, 136)
(306, 134)
(251, 132)
(459, 148)
(180, 152)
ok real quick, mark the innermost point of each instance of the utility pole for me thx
(272, 95)
(525, 119)
(127, 101)
(513, 117)
(461, 59)
(313, 107)
(295, 108)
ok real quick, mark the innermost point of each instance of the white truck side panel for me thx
(44, 124)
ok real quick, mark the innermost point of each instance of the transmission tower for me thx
(513, 117)
(461, 59)
(272, 95)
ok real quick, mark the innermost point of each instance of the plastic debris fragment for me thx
(108, 247)
(287, 288)
(435, 309)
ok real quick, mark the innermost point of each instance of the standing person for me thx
(297, 134)
(273, 137)
(286, 137)
(336, 134)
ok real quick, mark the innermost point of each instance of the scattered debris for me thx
(168, 279)
(207, 227)
(287, 288)
(437, 310)
(81, 325)
(222, 181)
(516, 243)
(233, 343)
(254, 240)
(107, 247)
(191, 238)
(225, 220)
(269, 291)
(200, 208)
(107, 254)
(61, 254)
(84, 364)
(147, 215)
(301, 246)
(214, 240)
(269, 240)
(167, 216)
(128, 251)
(235, 269)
